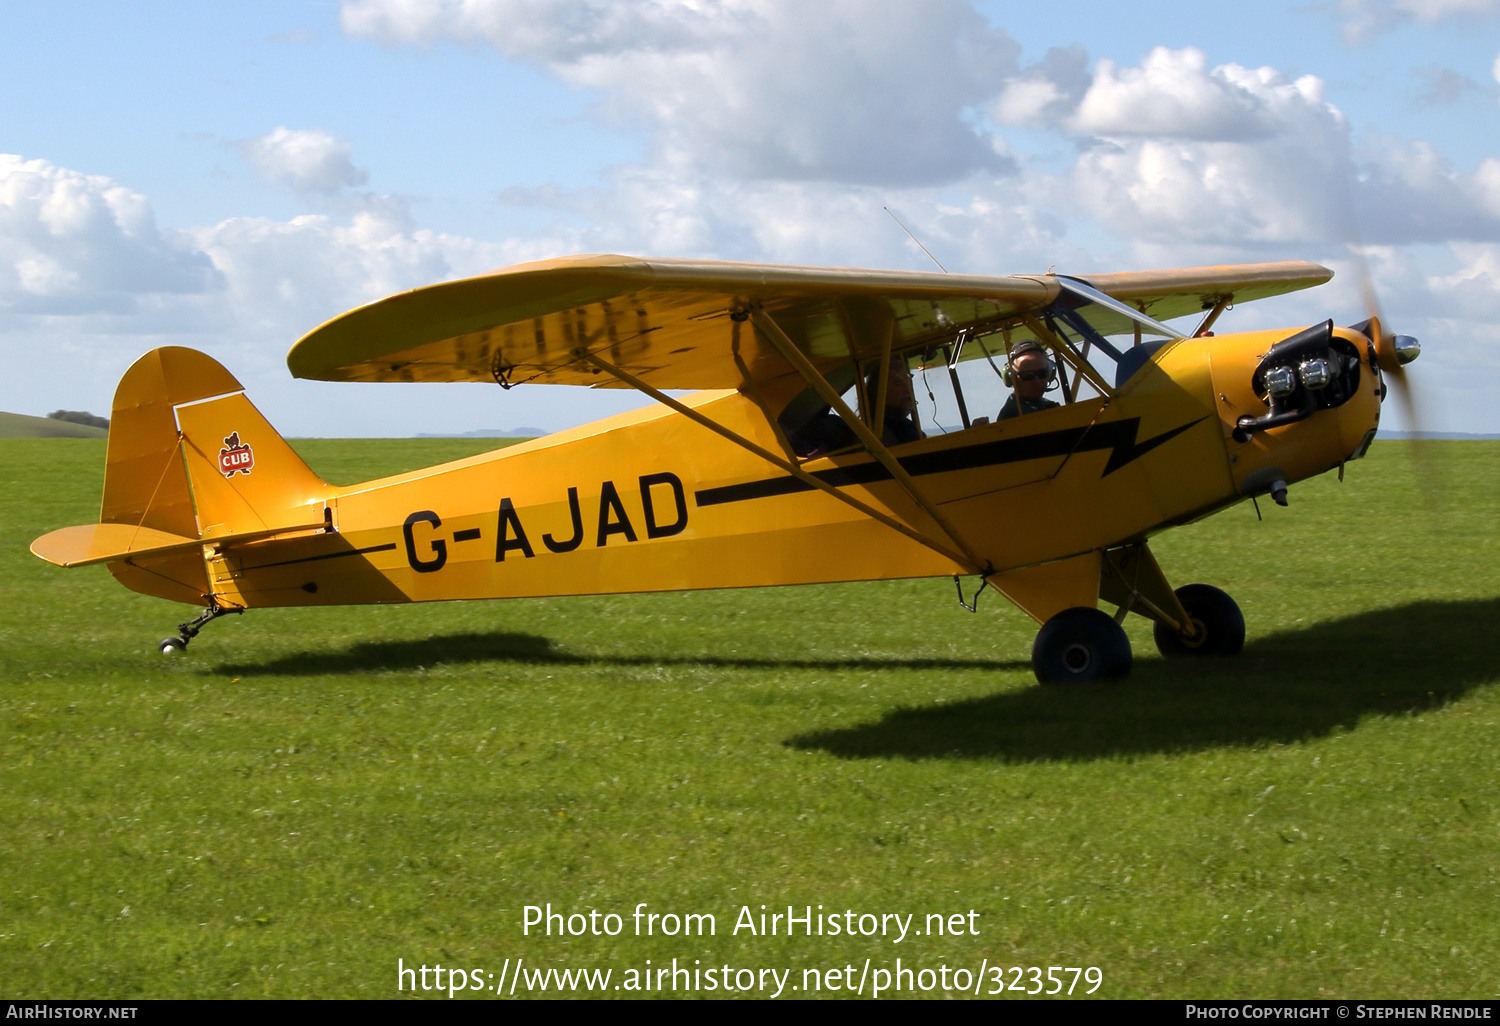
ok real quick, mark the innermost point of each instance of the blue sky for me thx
(228, 176)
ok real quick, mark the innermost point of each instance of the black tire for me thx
(172, 646)
(1215, 613)
(1080, 645)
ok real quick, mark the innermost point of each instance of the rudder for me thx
(177, 412)
(245, 478)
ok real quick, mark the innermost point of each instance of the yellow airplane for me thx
(848, 425)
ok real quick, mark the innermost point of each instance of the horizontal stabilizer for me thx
(103, 543)
(108, 543)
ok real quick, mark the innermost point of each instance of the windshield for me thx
(1112, 339)
(1105, 314)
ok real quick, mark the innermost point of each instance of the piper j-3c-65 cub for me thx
(850, 425)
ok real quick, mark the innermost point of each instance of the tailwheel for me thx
(186, 632)
(1219, 627)
(1080, 645)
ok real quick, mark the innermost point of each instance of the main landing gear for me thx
(1083, 644)
(188, 631)
(1219, 627)
(1080, 645)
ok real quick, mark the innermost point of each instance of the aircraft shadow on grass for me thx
(1291, 686)
(455, 649)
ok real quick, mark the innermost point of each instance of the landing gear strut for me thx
(188, 631)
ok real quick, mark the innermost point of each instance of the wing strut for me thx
(777, 461)
(773, 333)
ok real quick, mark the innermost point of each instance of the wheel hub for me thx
(1079, 645)
(1199, 633)
(1077, 657)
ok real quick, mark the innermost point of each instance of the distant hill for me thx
(18, 425)
(520, 432)
(1452, 436)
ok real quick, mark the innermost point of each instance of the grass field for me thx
(310, 795)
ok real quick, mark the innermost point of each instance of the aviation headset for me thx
(1021, 349)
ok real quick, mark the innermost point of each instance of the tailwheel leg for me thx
(1080, 645)
(186, 632)
(1218, 625)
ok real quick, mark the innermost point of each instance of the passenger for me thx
(824, 433)
(1030, 371)
(820, 430)
(900, 403)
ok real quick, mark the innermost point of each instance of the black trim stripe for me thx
(1118, 436)
(327, 555)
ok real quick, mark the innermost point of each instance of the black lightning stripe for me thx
(1118, 436)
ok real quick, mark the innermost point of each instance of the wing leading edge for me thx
(679, 324)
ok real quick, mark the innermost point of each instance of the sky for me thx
(229, 176)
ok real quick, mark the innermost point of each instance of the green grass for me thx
(310, 795)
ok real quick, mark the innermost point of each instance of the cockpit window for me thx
(958, 383)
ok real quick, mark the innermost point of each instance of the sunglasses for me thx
(1035, 375)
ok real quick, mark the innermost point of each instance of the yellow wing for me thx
(1190, 290)
(678, 324)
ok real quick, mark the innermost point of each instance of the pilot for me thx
(1030, 371)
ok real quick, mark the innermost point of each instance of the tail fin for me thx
(190, 460)
(190, 455)
(145, 481)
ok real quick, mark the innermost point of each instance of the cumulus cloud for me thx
(1045, 92)
(89, 282)
(283, 278)
(77, 243)
(1458, 320)
(1173, 94)
(1182, 152)
(83, 246)
(652, 210)
(1237, 155)
(1472, 289)
(306, 160)
(866, 91)
(1411, 193)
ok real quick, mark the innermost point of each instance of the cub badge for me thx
(236, 457)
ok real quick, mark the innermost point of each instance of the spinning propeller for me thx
(1392, 352)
